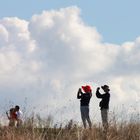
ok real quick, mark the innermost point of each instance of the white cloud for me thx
(3, 35)
(47, 58)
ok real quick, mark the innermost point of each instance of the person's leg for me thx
(87, 117)
(19, 123)
(82, 108)
(12, 122)
(104, 115)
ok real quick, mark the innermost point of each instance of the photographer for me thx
(84, 103)
(104, 104)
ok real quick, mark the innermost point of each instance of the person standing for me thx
(104, 104)
(84, 104)
(19, 115)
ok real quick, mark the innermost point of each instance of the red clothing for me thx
(13, 115)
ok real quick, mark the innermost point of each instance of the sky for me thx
(117, 21)
(48, 49)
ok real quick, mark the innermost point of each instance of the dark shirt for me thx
(85, 98)
(104, 104)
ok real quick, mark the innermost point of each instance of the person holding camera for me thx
(84, 104)
(104, 104)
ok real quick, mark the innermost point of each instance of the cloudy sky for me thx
(49, 49)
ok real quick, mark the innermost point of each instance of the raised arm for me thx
(79, 94)
(98, 94)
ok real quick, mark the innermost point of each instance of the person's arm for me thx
(98, 94)
(7, 115)
(90, 94)
(79, 94)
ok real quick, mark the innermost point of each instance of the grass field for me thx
(71, 131)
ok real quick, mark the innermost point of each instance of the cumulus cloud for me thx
(49, 57)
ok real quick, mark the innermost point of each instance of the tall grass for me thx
(43, 129)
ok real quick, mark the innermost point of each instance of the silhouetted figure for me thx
(84, 104)
(104, 104)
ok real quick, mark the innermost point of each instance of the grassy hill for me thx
(71, 131)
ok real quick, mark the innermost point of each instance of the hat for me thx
(105, 87)
(86, 88)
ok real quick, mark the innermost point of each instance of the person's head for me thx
(11, 110)
(87, 89)
(17, 108)
(105, 88)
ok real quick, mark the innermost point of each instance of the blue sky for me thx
(117, 21)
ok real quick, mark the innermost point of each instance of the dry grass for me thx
(71, 131)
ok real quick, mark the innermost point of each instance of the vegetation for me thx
(43, 130)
